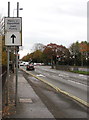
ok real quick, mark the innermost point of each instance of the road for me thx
(72, 83)
(75, 84)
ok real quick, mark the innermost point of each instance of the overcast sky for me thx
(50, 21)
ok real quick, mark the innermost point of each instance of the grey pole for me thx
(8, 9)
(8, 62)
(7, 76)
(16, 95)
(17, 9)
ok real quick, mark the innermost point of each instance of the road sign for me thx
(13, 39)
(13, 36)
(13, 24)
(13, 31)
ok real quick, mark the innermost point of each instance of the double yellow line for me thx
(59, 90)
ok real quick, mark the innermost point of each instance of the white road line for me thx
(60, 75)
(40, 75)
(81, 75)
(77, 83)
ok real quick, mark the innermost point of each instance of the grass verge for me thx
(81, 72)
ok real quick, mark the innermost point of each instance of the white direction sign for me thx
(13, 39)
(12, 24)
(13, 31)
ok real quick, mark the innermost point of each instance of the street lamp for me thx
(16, 9)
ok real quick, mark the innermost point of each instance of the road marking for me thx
(81, 75)
(59, 90)
(40, 75)
(77, 83)
(60, 75)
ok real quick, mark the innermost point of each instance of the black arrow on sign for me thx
(13, 36)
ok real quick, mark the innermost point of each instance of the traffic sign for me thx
(13, 36)
(12, 24)
(13, 31)
(13, 39)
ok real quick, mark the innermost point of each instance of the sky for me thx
(49, 21)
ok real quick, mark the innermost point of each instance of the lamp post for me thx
(16, 9)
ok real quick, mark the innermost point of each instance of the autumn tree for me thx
(54, 53)
(26, 58)
(75, 54)
(3, 54)
(84, 49)
(79, 53)
(35, 56)
(47, 55)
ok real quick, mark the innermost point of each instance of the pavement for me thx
(29, 104)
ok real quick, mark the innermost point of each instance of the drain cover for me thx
(25, 100)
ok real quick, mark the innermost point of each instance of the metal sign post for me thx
(13, 38)
(8, 62)
(17, 48)
(16, 94)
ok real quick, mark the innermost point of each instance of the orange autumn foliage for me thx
(84, 47)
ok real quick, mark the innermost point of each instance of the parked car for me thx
(30, 67)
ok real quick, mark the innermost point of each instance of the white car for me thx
(23, 63)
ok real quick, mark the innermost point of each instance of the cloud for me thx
(46, 21)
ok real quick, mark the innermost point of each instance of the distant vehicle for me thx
(26, 63)
(22, 63)
(30, 67)
(35, 64)
(38, 64)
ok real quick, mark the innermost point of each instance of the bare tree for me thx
(38, 46)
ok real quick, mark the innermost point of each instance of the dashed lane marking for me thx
(59, 90)
(81, 75)
(77, 83)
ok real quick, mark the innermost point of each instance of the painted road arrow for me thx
(13, 36)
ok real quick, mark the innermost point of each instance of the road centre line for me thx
(59, 90)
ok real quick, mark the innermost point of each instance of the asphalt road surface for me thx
(75, 84)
